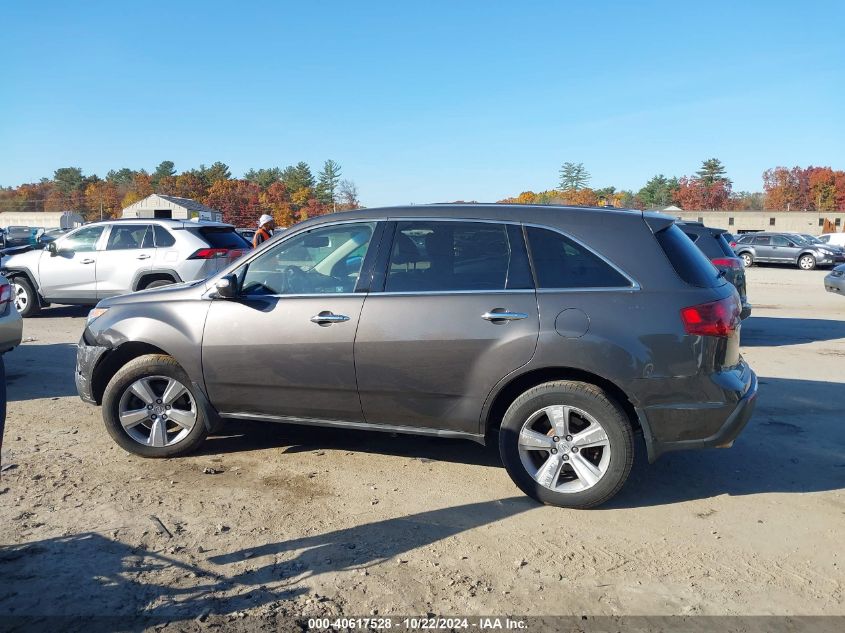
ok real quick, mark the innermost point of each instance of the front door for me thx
(284, 348)
(457, 314)
(783, 250)
(69, 275)
(129, 252)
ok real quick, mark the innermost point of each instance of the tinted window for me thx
(777, 240)
(689, 262)
(82, 240)
(762, 241)
(223, 237)
(560, 262)
(450, 256)
(163, 237)
(723, 243)
(692, 236)
(126, 236)
(321, 261)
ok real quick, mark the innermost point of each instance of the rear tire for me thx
(806, 262)
(747, 260)
(567, 444)
(27, 302)
(142, 413)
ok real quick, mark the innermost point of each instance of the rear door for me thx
(70, 275)
(457, 313)
(763, 251)
(128, 253)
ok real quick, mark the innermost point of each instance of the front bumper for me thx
(87, 357)
(704, 425)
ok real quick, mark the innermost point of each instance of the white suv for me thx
(115, 257)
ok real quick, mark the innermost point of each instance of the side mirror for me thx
(51, 246)
(227, 287)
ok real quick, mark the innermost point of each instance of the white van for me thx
(837, 239)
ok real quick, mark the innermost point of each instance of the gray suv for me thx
(782, 248)
(557, 332)
(110, 258)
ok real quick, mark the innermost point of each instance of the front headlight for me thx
(95, 314)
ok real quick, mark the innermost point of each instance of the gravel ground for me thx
(272, 521)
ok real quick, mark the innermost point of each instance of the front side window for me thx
(324, 260)
(431, 256)
(127, 236)
(560, 262)
(81, 241)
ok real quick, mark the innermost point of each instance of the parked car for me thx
(837, 239)
(714, 244)
(558, 335)
(104, 259)
(834, 281)
(782, 248)
(14, 236)
(11, 330)
(838, 251)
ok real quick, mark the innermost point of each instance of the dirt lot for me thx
(270, 521)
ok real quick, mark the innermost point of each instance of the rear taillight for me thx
(210, 253)
(717, 318)
(733, 244)
(728, 262)
(5, 294)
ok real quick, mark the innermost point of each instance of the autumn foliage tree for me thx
(239, 200)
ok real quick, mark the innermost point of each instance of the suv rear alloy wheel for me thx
(26, 299)
(150, 410)
(747, 260)
(806, 262)
(567, 444)
(158, 283)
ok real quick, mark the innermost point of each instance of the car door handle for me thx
(143, 256)
(327, 318)
(498, 314)
(86, 261)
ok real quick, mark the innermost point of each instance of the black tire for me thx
(2, 400)
(747, 259)
(594, 402)
(144, 367)
(23, 292)
(806, 262)
(158, 283)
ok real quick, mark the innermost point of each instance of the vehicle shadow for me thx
(239, 436)
(35, 370)
(770, 332)
(793, 444)
(65, 581)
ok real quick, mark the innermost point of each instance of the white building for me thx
(41, 219)
(158, 206)
(746, 221)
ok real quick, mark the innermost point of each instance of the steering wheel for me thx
(295, 280)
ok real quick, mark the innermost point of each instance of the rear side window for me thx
(453, 256)
(163, 237)
(762, 241)
(560, 262)
(127, 236)
(687, 260)
(223, 237)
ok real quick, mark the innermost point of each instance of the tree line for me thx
(289, 195)
(784, 189)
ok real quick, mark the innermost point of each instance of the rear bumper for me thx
(87, 357)
(746, 310)
(11, 329)
(702, 425)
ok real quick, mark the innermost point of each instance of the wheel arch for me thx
(12, 273)
(143, 277)
(112, 361)
(511, 390)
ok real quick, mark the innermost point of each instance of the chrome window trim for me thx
(406, 293)
(303, 296)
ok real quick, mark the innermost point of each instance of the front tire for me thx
(567, 444)
(150, 409)
(26, 299)
(806, 262)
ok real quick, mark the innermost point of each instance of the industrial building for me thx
(811, 222)
(158, 206)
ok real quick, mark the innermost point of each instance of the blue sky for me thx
(427, 101)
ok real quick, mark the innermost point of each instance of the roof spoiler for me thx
(658, 221)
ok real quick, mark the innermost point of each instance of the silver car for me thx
(834, 281)
(11, 329)
(105, 259)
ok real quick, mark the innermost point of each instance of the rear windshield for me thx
(687, 260)
(222, 237)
